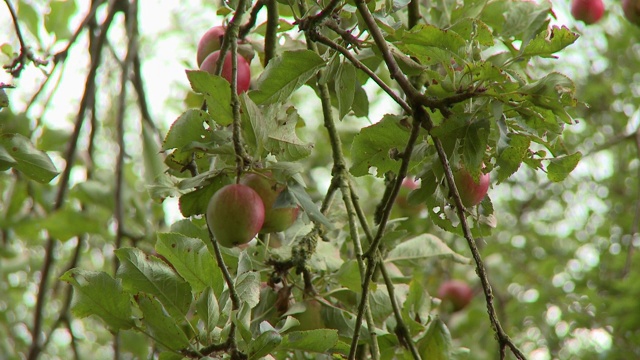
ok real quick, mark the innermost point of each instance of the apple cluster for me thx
(238, 212)
(208, 54)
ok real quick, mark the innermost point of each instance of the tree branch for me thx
(18, 64)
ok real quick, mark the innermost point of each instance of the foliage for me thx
(92, 267)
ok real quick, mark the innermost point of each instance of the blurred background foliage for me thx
(561, 260)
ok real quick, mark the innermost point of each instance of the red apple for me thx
(588, 11)
(455, 292)
(402, 200)
(471, 192)
(275, 219)
(209, 42)
(631, 9)
(235, 215)
(244, 70)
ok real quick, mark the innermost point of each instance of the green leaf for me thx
(91, 288)
(208, 309)
(188, 128)
(349, 276)
(475, 143)
(217, 93)
(436, 341)
(255, 126)
(284, 74)
(192, 260)
(57, 20)
(248, 288)
(512, 149)
(283, 142)
(307, 204)
(28, 15)
(160, 325)
(371, 147)
(418, 302)
(549, 42)
(345, 85)
(141, 273)
(32, 162)
(318, 341)
(62, 224)
(264, 344)
(196, 202)
(414, 251)
(153, 166)
(560, 167)
(432, 36)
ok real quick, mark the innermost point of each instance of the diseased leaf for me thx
(90, 288)
(549, 42)
(188, 128)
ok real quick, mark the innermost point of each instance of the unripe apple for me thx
(275, 219)
(588, 11)
(631, 9)
(311, 318)
(244, 70)
(471, 192)
(455, 292)
(235, 215)
(209, 42)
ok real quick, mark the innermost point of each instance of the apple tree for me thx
(349, 177)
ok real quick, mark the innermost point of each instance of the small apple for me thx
(244, 70)
(209, 42)
(471, 192)
(275, 219)
(235, 215)
(456, 292)
(631, 9)
(588, 11)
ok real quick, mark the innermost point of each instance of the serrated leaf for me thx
(345, 86)
(549, 42)
(160, 325)
(309, 207)
(33, 163)
(429, 35)
(89, 298)
(318, 341)
(284, 74)
(371, 147)
(248, 288)
(560, 167)
(512, 149)
(264, 344)
(414, 251)
(142, 273)
(192, 259)
(208, 309)
(217, 94)
(475, 143)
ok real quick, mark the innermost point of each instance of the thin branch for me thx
(312, 21)
(87, 98)
(253, 17)
(18, 64)
(414, 13)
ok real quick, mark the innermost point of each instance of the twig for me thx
(18, 64)
(87, 98)
(312, 21)
(414, 13)
(253, 17)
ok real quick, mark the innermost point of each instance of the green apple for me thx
(276, 218)
(235, 215)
